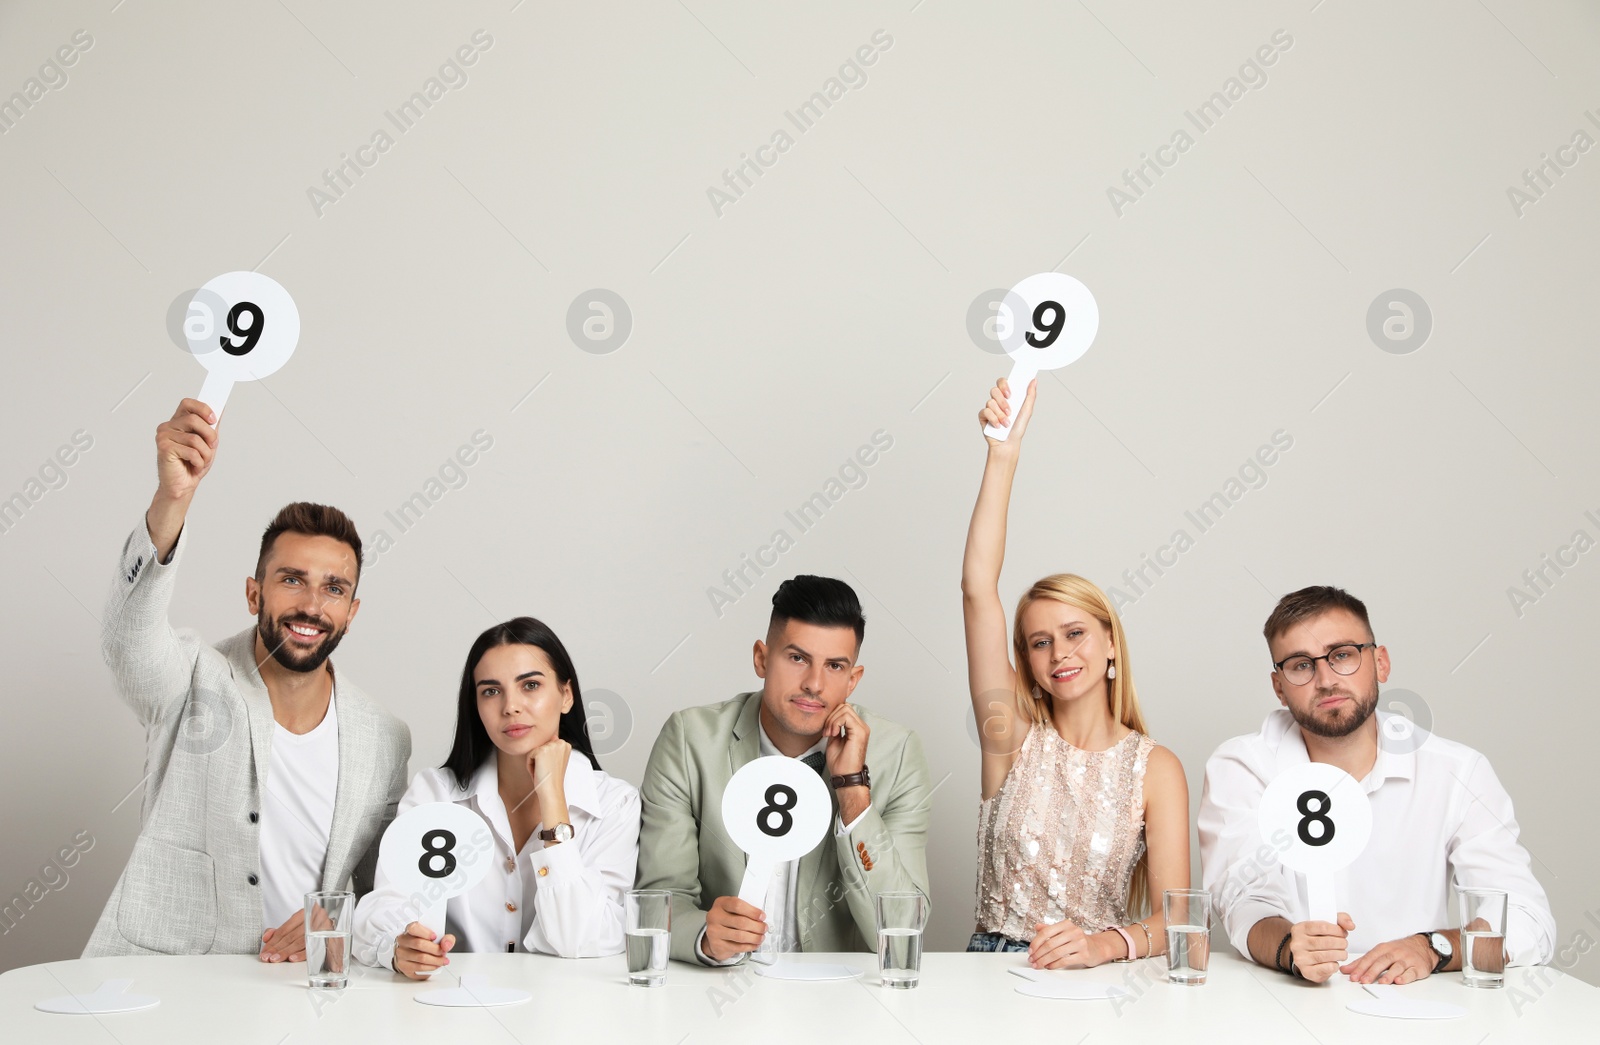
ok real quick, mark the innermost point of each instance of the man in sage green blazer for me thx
(877, 839)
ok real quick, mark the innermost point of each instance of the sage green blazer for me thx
(683, 846)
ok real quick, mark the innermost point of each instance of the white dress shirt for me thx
(297, 814)
(781, 931)
(1440, 821)
(563, 899)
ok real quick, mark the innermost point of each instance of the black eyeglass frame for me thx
(1359, 647)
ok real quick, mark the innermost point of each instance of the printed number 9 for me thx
(785, 817)
(1319, 816)
(438, 843)
(251, 334)
(1052, 329)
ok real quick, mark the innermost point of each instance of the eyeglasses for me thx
(1344, 660)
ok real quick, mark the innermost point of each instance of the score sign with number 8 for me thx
(1327, 818)
(242, 326)
(776, 809)
(437, 851)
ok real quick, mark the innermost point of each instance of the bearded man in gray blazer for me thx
(268, 775)
(877, 838)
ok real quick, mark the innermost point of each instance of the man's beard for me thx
(275, 636)
(1340, 723)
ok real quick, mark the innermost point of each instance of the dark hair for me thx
(823, 601)
(313, 520)
(1312, 602)
(472, 744)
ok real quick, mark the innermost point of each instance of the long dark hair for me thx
(472, 744)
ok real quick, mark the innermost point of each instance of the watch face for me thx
(1441, 943)
(563, 832)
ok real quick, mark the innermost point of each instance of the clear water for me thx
(1483, 959)
(900, 957)
(648, 951)
(1188, 951)
(328, 960)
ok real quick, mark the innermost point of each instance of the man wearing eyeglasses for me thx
(1440, 818)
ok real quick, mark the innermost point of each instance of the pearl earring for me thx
(1111, 671)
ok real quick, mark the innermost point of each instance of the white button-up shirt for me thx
(563, 899)
(1440, 821)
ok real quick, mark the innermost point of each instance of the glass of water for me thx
(1188, 914)
(648, 934)
(901, 919)
(1483, 937)
(328, 922)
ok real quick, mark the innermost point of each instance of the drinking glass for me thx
(1483, 937)
(901, 919)
(328, 926)
(1188, 914)
(648, 935)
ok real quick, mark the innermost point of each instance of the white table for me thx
(967, 998)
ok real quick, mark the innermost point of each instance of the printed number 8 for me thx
(250, 334)
(1052, 329)
(785, 818)
(1319, 816)
(438, 843)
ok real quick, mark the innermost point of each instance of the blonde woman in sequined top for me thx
(1084, 820)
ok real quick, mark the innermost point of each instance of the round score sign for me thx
(438, 850)
(1048, 321)
(242, 326)
(1327, 819)
(776, 809)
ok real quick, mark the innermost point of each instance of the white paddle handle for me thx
(1021, 374)
(214, 393)
(434, 915)
(1320, 904)
(757, 874)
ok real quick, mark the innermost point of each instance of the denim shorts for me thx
(995, 942)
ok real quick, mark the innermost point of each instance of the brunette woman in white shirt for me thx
(565, 836)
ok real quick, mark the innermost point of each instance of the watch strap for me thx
(861, 779)
(549, 834)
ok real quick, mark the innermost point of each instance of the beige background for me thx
(772, 340)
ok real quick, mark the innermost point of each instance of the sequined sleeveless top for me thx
(1062, 835)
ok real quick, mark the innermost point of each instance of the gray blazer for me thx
(191, 885)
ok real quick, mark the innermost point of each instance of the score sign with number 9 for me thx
(242, 326)
(1050, 319)
(438, 850)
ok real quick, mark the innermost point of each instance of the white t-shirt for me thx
(297, 815)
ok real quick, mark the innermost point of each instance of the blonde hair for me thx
(1123, 699)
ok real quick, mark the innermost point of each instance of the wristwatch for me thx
(1439, 944)
(861, 779)
(558, 833)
